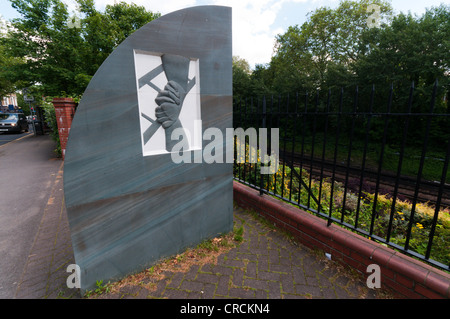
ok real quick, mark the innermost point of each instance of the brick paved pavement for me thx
(266, 265)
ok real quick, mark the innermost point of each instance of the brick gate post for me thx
(65, 110)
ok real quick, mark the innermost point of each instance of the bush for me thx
(50, 117)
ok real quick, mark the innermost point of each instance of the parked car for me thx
(13, 122)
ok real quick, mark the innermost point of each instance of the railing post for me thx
(400, 161)
(422, 162)
(263, 125)
(380, 163)
(336, 143)
(438, 202)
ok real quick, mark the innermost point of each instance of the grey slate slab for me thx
(127, 210)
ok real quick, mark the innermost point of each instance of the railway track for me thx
(407, 186)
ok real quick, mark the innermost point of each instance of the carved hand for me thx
(169, 101)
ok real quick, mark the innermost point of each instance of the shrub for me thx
(50, 117)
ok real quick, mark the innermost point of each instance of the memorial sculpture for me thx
(128, 203)
(169, 100)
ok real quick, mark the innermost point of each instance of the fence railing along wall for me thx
(373, 161)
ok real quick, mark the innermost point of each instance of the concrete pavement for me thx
(45, 272)
(28, 169)
(267, 264)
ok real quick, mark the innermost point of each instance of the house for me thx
(9, 103)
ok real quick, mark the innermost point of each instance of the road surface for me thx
(5, 138)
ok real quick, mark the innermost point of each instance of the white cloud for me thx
(253, 27)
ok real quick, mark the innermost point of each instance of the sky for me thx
(255, 22)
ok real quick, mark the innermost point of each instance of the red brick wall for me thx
(408, 277)
(65, 110)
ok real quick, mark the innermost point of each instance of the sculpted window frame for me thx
(151, 79)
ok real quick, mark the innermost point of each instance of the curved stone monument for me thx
(128, 203)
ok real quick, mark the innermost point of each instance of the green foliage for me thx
(321, 51)
(245, 81)
(58, 57)
(101, 289)
(50, 117)
(241, 78)
(335, 48)
(238, 234)
(7, 63)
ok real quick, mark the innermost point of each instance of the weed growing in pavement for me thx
(101, 289)
(238, 234)
(206, 252)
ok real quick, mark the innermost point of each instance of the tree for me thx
(7, 86)
(409, 49)
(328, 40)
(61, 58)
(337, 48)
(247, 82)
(241, 78)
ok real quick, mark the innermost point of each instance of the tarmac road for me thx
(26, 164)
(5, 138)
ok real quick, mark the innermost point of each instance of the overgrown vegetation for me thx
(50, 117)
(206, 252)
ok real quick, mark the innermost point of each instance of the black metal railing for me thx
(374, 162)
